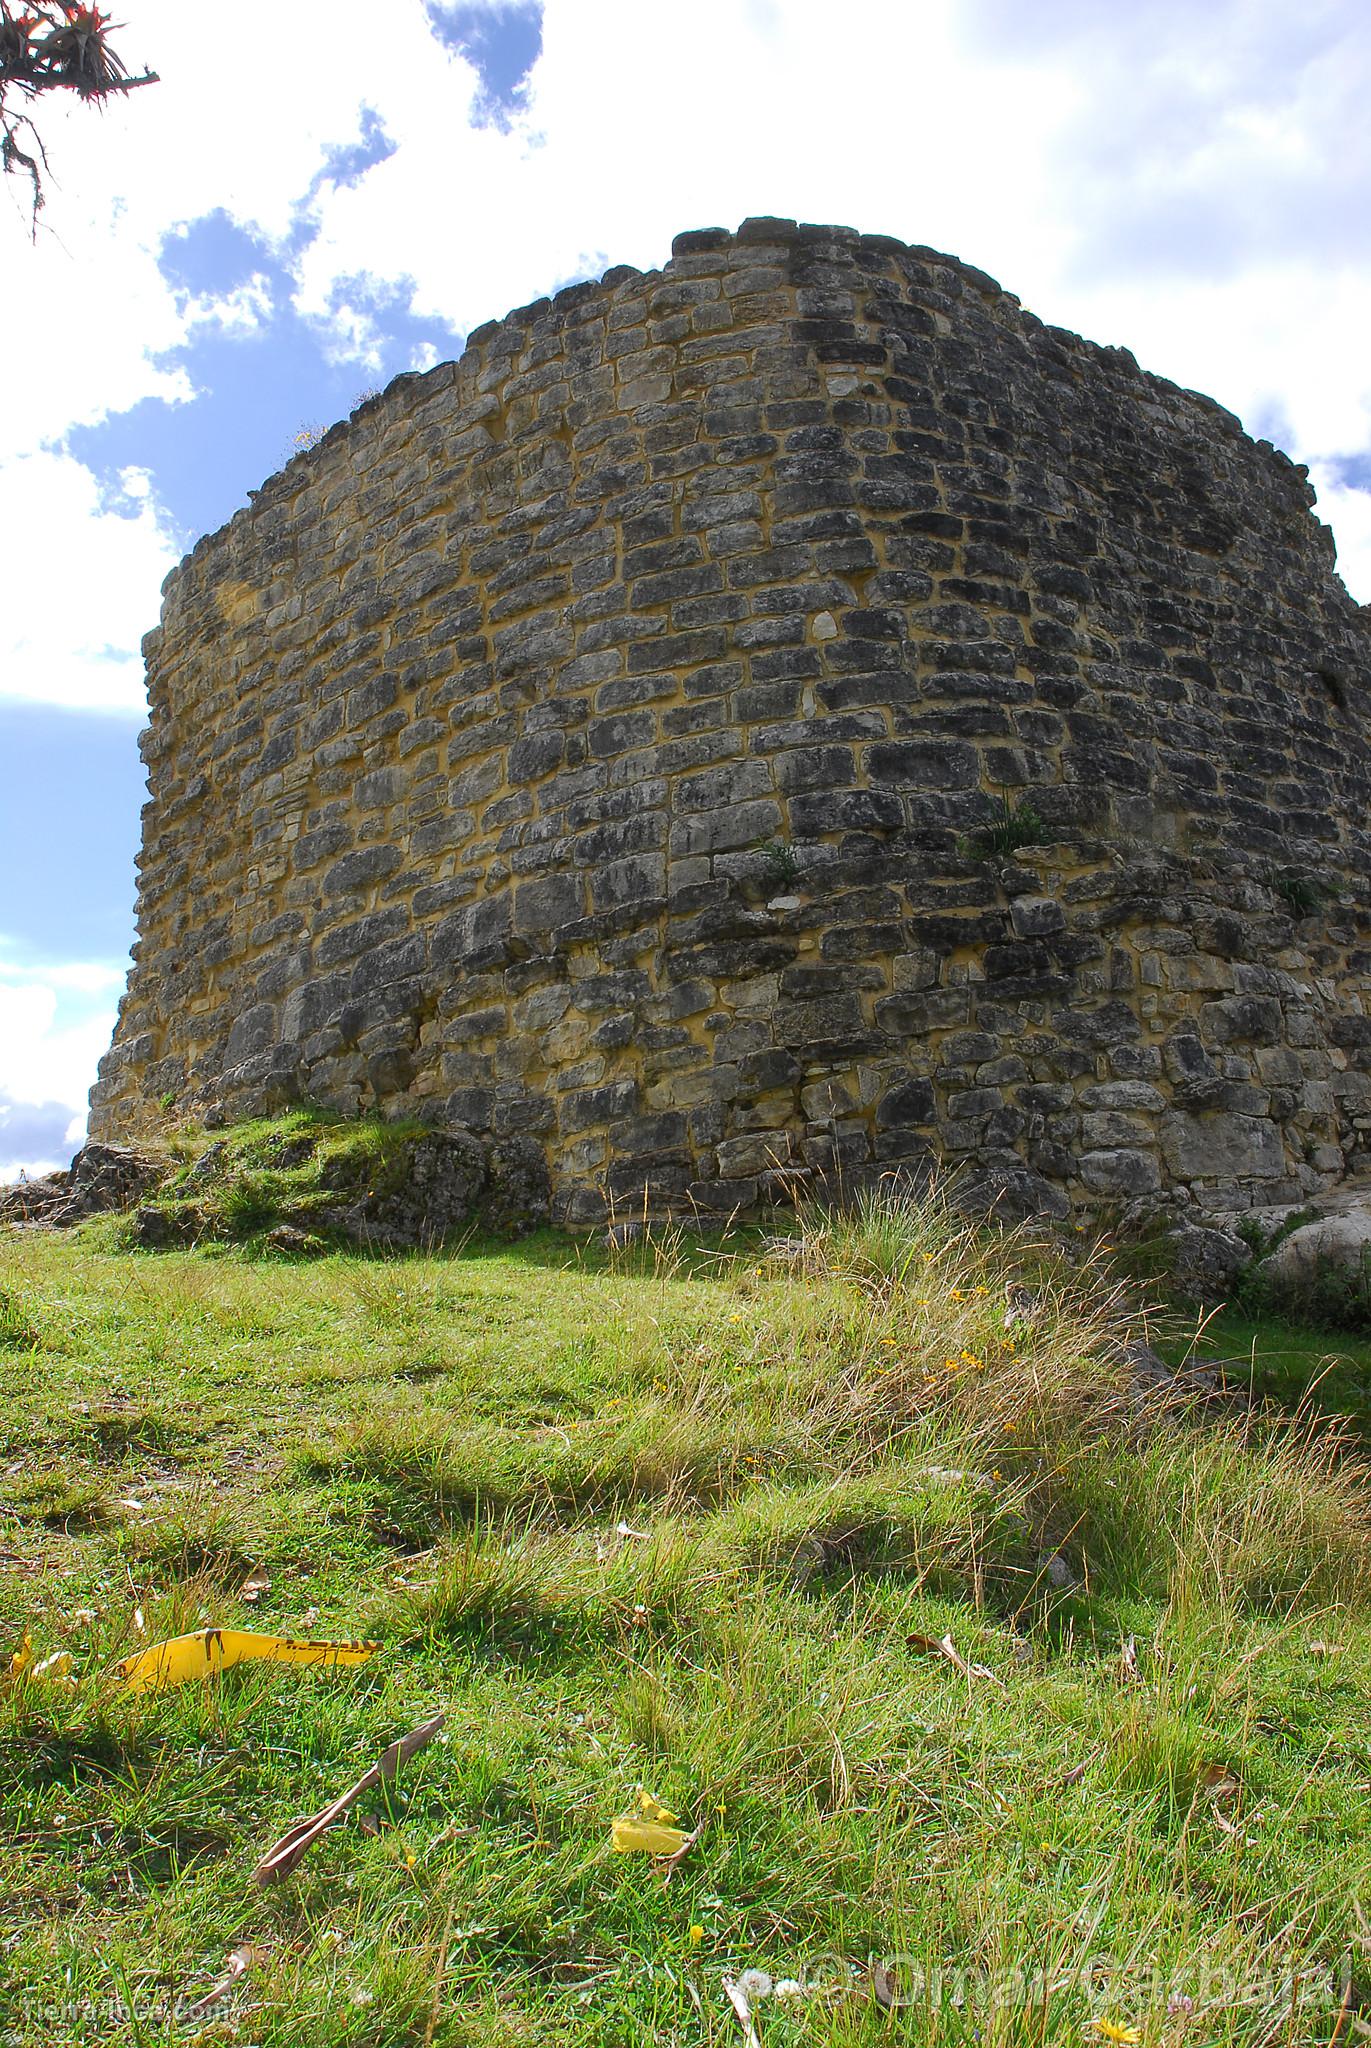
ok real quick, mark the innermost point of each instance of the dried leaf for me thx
(741, 2004)
(1227, 1827)
(638, 1535)
(236, 1964)
(212, 1650)
(654, 1808)
(56, 1669)
(1326, 1649)
(885, 1988)
(253, 1588)
(1218, 1781)
(943, 1646)
(1128, 1662)
(283, 1856)
(655, 1834)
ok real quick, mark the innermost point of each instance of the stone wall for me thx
(588, 740)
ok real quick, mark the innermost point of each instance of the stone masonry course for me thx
(788, 714)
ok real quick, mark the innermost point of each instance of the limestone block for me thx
(1198, 1148)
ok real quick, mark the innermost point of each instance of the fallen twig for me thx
(678, 1855)
(283, 1856)
(236, 1965)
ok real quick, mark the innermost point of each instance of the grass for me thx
(1012, 826)
(235, 1187)
(1326, 1370)
(693, 1519)
(1302, 894)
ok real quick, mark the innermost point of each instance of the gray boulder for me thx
(427, 1198)
(1205, 1262)
(100, 1178)
(1338, 1243)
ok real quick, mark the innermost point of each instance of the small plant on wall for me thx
(1302, 894)
(1013, 826)
(782, 862)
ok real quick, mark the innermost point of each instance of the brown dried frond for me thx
(54, 45)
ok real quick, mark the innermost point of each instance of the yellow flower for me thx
(697, 1935)
(1110, 2030)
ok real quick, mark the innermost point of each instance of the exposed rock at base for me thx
(1204, 1262)
(428, 1194)
(295, 1244)
(427, 1188)
(518, 1191)
(154, 1230)
(1339, 1243)
(300, 1191)
(100, 1179)
(1150, 1375)
(33, 1201)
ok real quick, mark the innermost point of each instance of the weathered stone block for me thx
(1198, 1148)
(1120, 1174)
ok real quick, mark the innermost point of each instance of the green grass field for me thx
(689, 1523)
(1328, 1371)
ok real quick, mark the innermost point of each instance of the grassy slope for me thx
(1329, 1370)
(822, 1460)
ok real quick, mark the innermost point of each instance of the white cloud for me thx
(1193, 183)
(55, 1022)
(84, 581)
(97, 326)
(1194, 186)
(1348, 512)
(244, 311)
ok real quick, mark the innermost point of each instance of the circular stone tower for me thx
(784, 713)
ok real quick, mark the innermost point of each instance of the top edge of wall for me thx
(696, 251)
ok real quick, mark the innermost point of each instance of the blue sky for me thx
(235, 256)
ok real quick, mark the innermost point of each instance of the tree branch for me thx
(54, 46)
